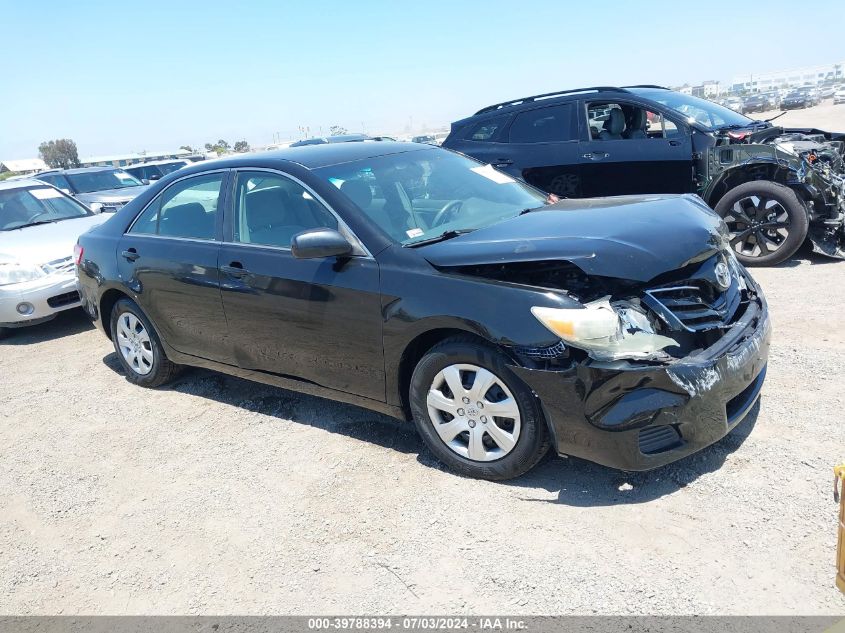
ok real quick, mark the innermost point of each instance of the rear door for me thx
(543, 145)
(168, 257)
(649, 153)
(318, 320)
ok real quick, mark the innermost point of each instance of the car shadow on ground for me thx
(328, 415)
(805, 255)
(575, 482)
(66, 323)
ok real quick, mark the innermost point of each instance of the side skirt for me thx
(285, 382)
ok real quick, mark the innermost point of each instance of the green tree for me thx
(241, 146)
(220, 147)
(188, 148)
(60, 153)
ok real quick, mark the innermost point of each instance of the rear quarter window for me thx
(488, 130)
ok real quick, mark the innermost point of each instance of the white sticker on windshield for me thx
(491, 174)
(414, 232)
(45, 194)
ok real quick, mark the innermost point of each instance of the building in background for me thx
(810, 75)
(22, 166)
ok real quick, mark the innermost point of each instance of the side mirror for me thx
(318, 243)
(145, 181)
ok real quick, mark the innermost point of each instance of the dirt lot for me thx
(220, 496)
(824, 116)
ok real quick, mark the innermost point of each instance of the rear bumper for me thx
(637, 417)
(43, 298)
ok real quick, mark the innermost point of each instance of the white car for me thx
(839, 96)
(39, 226)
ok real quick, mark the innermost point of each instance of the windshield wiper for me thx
(445, 235)
(777, 116)
(23, 226)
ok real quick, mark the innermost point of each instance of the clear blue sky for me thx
(120, 76)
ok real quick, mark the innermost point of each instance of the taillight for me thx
(77, 254)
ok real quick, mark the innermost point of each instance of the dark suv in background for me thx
(102, 189)
(772, 186)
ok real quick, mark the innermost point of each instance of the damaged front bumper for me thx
(636, 416)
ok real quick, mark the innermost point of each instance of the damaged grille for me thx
(694, 305)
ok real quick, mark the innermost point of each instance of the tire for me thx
(767, 222)
(465, 442)
(142, 358)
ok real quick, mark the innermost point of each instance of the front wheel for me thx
(766, 220)
(474, 414)
(138, 347)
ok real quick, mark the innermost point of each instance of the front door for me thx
(627, 149)
(310, 319)
(168, 258)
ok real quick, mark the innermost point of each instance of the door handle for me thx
(503, 162)
(595, 155)
(674, 143)
(235, 269)
(130, 255)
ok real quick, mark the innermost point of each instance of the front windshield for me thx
(36, 205)
(418, 195)
(701, 111)
(87, 182)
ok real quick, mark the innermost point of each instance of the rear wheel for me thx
(474, 414)
(138, 347)
(767, 222)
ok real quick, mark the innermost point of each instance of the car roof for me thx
(23, 182)
(163, 161)
(79, 170)
(316, 156)
(561, 96)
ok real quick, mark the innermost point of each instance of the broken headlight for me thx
(605, 331)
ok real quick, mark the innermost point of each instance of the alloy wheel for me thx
(758, 225)
(134, 343)
(473, 412)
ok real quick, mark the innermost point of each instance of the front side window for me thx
(270, 209)
(416, 195)
(543, 125)
(618, 121)
(88, 182)
(36, 205)
(186, 209)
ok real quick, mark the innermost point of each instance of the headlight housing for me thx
(604, 331)
(18, 273)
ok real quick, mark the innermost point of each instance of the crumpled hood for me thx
(625, 237)
(46, 242)
(112, 195)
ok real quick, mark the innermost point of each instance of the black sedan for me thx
(418, 282)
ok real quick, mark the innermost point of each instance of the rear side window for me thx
(186, 209)
(486, 130)
(543, 125)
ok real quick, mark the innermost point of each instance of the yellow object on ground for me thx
(839, 484)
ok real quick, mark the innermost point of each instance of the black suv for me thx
(773, 186)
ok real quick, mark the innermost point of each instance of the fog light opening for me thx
(25, 308)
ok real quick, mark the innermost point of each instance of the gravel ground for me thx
(217, 495)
